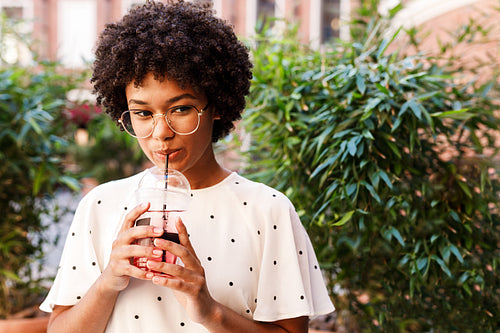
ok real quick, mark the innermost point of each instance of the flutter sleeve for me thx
(290, 280)
(78, 268)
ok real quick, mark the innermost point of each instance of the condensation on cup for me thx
(169, 195)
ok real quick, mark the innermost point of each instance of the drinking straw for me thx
(166, 186)
(166, 171)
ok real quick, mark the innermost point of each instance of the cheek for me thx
(206, 128)
(144, 147)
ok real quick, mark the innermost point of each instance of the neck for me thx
(208, 175)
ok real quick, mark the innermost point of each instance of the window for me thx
(11, 47)
(15, 13)
(330, 20)
(265, 9)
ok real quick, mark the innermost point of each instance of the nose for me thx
(161, 130)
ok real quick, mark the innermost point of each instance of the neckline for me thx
(221, 183)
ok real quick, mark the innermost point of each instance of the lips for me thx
(172, 154)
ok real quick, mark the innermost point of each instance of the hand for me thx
(117, 273)
(188, 282)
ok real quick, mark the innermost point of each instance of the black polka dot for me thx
(136, 317)
(230, 283)
(74, 267)
(182, 324)
(275, 227)
(93, 263)
(315, 266)
(258, 232)
(209, 258)
(300, 252)
(99, 202)
(212, 217)
(192, 195)
(301, 296)
(232, 240)
(255, 300)
(159, 298)
(274, 297)
(244, 203)
(125, 208)
(90, 231)
(274, 195)
(275, 262)
(251, 269)
(78, 297)
(72, 234)
(236, 182)
(248, 310)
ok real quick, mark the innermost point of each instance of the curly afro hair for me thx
(181, 41)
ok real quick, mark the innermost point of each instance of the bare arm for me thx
(227, 320)
(83, 316)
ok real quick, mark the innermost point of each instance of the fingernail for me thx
(158, 242)
(144, 205)
(157, 279)
(149, 275)
(157, 253)
(158, 231)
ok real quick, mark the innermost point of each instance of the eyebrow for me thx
(168, 101)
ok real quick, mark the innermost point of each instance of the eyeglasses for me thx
(181, 119)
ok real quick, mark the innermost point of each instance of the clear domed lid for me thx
(169, 190)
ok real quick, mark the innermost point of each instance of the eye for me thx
(181, 109)
(141, 113)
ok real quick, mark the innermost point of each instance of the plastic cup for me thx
(168, 195)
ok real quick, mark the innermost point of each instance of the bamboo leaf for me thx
(346, 218)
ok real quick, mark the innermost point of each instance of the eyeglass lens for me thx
(181, 119)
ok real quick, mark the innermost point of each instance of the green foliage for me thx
(32, 149)
(383, 156)
(31, 169)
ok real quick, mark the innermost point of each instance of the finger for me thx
(192, 288)
(137, 251)
(134, 214)
(125, 269)
(171, 283)
(174, 271)
(140, 232)
(132, 234)
(187, 255)
(184, 236)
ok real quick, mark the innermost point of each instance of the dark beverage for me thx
(171, 236)
(167, 256)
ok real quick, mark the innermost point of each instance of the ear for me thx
(215, 115)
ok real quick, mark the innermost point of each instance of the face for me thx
(191, 154)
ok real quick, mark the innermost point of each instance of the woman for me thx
(248, 265)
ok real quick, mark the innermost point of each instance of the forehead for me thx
(151, 82)
(161, 90)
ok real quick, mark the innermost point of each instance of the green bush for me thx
(384, 157)
(32, 148)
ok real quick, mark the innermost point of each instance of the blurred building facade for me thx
(67, 29)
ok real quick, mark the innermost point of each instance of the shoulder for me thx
(117, 185)
(266, 197)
